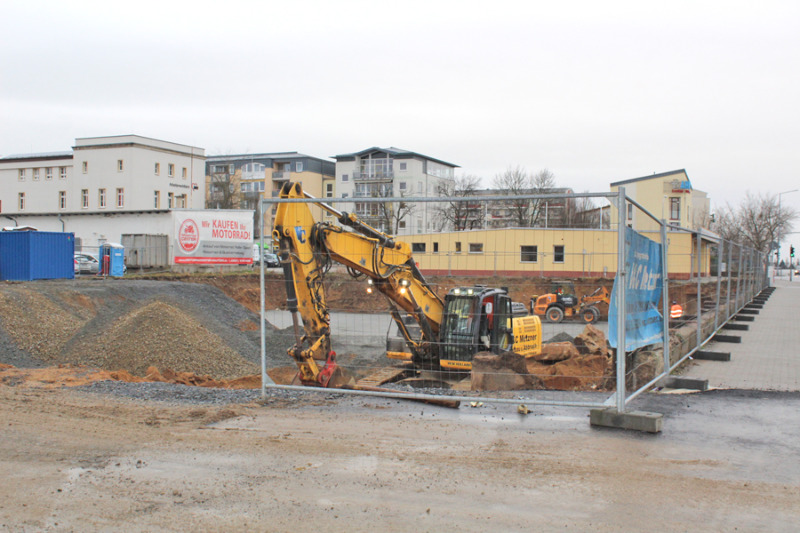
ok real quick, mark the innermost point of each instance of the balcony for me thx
(281, 176)
(373, 176)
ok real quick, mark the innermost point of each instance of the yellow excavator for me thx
(451, 332)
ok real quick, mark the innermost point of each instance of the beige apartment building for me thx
(240, 181)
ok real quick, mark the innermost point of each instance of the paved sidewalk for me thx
(769, 356)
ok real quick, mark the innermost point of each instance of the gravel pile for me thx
(130, 325)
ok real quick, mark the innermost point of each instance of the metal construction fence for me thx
(599, 272)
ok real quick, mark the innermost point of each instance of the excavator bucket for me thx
(333, 376)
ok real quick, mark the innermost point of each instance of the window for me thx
(458, 247)
(170, 170)
(35, 174)
(170, 200)
(630, 211)
(419, 187)
(85, 198)
(329, 190)
(558, 253)
(120, 197)
(101, 198)
(157, 199)
(402, 186)
(418, 247)
(48, 173)
(120, 165)
(62, 199)
(345, 177)
(403, 166)
(528, 254)
(298, 166)
(85, 166)
(183, 173)
(157, 169)
(62, 173)
(436, 247)
(401, 225)
(675, 208)
(476, 247)
(21, 176)
(21, 201)
(344, 195)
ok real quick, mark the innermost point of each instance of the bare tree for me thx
(541, 183)
(582, 213)
(223, 190)
(515, 181)
(757, 222)
(393, 213)
(460, 215)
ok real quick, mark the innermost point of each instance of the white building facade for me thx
(392, 172)
(104, 188)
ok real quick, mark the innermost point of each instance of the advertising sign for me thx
(213, 237)
(527, 335)
(642, 294)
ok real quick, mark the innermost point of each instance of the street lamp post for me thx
(777, 263)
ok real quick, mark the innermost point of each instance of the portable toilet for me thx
(112, 260)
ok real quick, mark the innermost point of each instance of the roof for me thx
(272, 155)
(397, 153)
(654, 176)
(41, 155)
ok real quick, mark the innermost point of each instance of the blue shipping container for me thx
(29, 255)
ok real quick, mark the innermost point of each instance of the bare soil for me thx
(74, 461)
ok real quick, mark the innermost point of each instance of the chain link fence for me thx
(463, 330)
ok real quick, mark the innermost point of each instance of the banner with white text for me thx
(643, 324)
(213, 237)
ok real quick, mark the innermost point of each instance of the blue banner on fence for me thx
(643, 324)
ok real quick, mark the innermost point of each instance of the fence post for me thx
(738, 278)
(699, 293)
(666, 304)
(620, 297)
(728, 312)
(719, 283)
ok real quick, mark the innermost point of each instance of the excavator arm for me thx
(307, 249)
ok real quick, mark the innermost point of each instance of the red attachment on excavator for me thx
(334, 376)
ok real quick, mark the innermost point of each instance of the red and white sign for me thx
(188, 236)
(213, 237)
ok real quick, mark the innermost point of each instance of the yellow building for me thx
(568, 253)
(667, 196)
(580, 252)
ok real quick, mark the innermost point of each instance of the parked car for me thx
(89, 264)
(86, 264)
(271, 261)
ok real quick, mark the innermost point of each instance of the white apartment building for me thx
(103, 188)
(392, 172)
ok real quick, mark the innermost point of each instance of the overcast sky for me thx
(594, 91)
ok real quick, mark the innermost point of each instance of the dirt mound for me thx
(22, 311)
(131, 325)
(174, 340)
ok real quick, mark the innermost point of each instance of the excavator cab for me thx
(476, 319)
